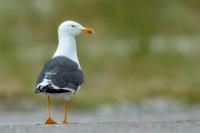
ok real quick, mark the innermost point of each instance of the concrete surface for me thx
(182, 126)
(156, 116)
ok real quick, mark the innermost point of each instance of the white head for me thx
(72, 28)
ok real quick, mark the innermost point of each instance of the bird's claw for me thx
(50, 121)
(65, 122)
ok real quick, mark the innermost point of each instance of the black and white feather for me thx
(59, 75)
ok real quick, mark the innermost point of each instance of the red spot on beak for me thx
(88, 30)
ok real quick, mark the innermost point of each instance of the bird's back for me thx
(59, 75)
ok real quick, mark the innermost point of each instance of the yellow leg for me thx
(66, 106)
(49, 119)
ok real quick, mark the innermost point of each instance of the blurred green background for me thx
(141, 48)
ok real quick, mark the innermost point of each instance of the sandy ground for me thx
(150, 116)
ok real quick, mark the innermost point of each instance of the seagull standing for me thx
(62, 74)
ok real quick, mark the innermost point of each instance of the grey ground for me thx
(149, 116)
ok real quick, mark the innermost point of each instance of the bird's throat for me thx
(67, 47)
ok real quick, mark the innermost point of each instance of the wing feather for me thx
(60, 73)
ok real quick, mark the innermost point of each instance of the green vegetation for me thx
(120, 61)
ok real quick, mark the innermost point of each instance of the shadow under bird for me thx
(62, 75)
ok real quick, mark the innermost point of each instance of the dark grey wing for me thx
(59, 75)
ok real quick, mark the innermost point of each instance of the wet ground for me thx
(149, 116)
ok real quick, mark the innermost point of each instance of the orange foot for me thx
(65, 122)
(50, 121)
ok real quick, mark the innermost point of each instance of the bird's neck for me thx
(67, 47)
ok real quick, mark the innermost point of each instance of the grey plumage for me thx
(59, 75)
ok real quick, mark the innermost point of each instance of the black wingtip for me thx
(37, 91)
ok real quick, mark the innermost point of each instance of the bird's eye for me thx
(73, 26)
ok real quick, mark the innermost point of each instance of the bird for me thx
(62, 74)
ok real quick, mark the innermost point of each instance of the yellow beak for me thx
(88, 30)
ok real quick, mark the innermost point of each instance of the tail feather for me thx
(50, 89)
(38, 90)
